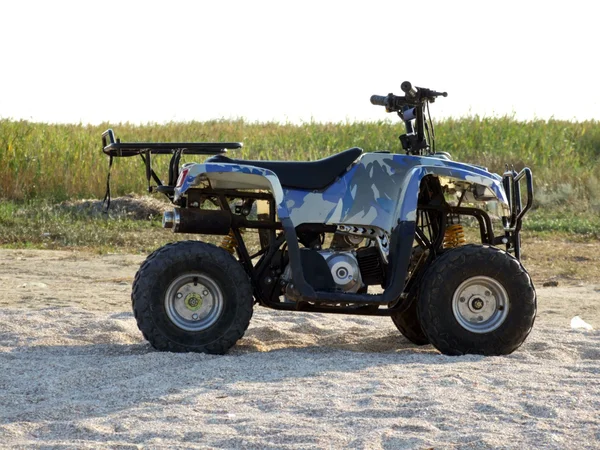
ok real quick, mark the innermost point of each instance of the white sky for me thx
(157, 61)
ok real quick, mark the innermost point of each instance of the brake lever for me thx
(431, 94)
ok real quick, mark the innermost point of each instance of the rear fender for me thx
(230, 176)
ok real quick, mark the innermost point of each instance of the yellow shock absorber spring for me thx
(229, 242)
(454, 236)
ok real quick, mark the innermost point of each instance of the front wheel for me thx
(477, 299)
(409, 325)
(192, 296)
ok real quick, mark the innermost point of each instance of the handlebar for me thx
(412, 96)
(419, 138)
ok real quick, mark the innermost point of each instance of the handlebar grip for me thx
(379, 100)
(409, 91)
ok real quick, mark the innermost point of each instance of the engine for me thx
(351, 270)
(344, 270)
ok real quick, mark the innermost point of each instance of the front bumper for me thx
(512, 223)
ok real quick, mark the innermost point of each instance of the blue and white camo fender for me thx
(230, 176)
(408, 202)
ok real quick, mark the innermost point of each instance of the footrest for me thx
(167, 190)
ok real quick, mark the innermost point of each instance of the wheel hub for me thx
(477, 304)
(194, 302)
(480, 304)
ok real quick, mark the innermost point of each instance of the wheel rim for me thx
(480, 304)
(194, 302)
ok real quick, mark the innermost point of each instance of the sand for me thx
(76, 373)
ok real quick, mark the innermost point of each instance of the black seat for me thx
(299, 174)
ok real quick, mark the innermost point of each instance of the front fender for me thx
(410, 191)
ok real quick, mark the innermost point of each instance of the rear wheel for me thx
(192, 296)
(477, 299)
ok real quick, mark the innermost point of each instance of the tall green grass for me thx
(55, 161)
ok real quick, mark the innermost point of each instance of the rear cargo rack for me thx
(114, 148)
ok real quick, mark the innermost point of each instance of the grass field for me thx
(57, 162)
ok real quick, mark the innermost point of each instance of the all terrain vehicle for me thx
(355, 233)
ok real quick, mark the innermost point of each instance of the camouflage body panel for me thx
(377, 191)
(380, 190)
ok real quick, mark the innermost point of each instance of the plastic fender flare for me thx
(198, 172)
(407, 204)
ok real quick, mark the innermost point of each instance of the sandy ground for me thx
(75, 372)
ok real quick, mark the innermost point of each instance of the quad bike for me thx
(330, 232)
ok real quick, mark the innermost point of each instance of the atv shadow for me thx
(274, 330)
(268, 340)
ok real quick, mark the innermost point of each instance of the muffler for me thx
(199, 221)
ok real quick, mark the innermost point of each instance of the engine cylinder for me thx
(371, 267)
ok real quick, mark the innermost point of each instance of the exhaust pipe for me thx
(168, 220)
(199, 221)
